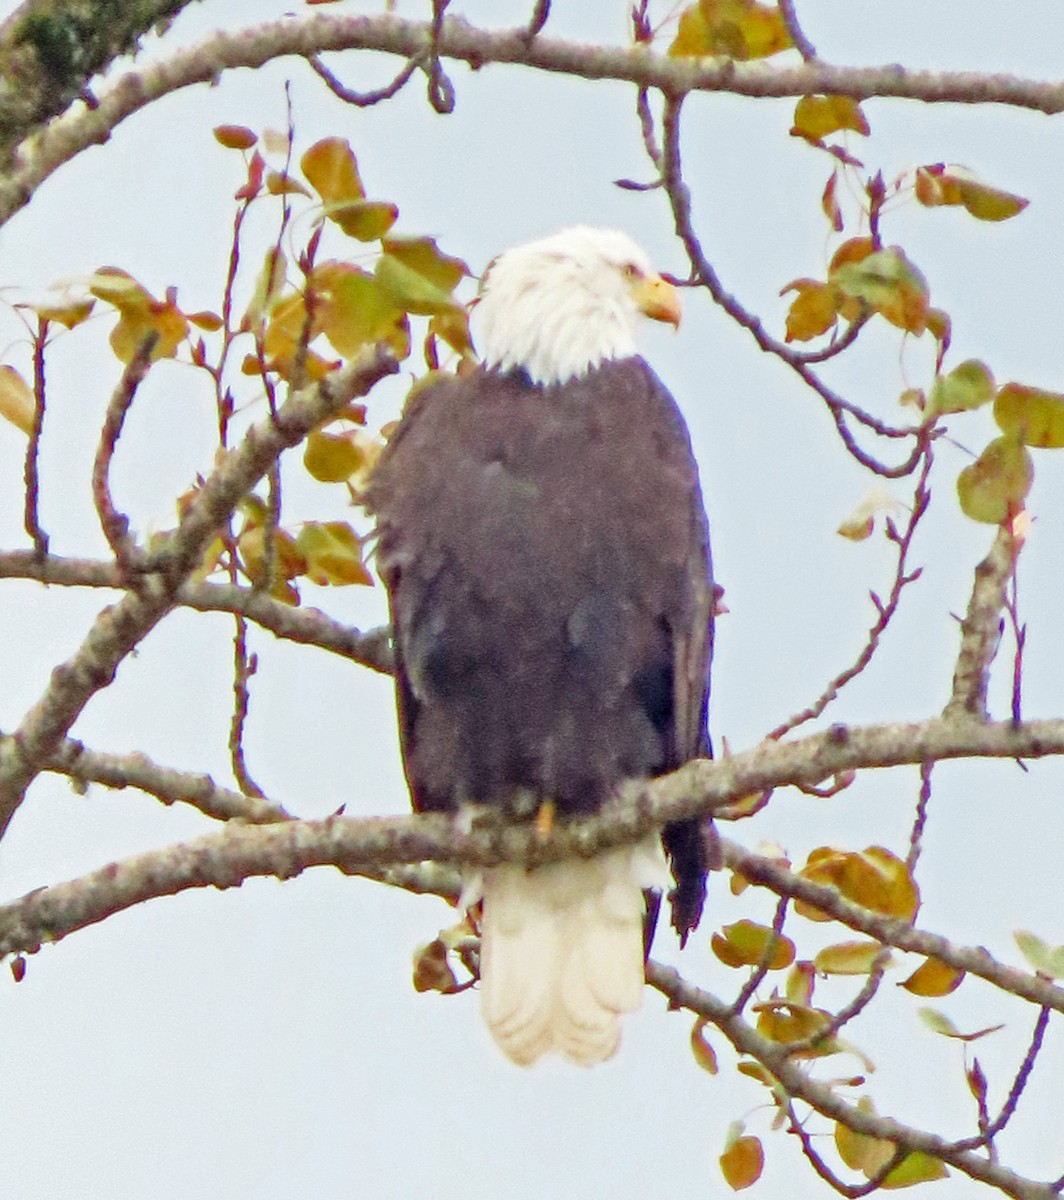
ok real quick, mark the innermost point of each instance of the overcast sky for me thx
(266, 1042)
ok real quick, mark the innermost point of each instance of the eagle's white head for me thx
(562, 305)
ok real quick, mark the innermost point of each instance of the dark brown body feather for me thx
(546, 556)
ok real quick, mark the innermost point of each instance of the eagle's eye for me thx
(631, 272)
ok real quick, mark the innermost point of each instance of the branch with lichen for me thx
(49, 144)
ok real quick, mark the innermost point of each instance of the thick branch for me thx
(457, 39)
(361, 845)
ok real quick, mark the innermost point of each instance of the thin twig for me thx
(31, 471)
(374, 96)
(801, 43)
(1008, 1109)
(903, 577)
(441, 90)
(115, 525)
(703, 274)
(244, 666)
(538, 19)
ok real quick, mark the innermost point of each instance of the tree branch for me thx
(309, 626)
(820, 1096)
(55, 144)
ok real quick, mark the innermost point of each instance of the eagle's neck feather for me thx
(553, 328)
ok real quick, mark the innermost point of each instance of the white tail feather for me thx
(562, 952)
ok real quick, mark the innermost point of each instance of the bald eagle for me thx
(543, 543)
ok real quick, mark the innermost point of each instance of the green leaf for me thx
(410, 289)
(421, 254)
(914, 1168)
(1034, 416)
(1046, 959)
(994, 487)
(354, 310)
(968, 386)
(888, 283)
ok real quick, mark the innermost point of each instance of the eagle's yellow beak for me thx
(658, 299)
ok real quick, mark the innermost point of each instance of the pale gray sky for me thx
(266, 1042)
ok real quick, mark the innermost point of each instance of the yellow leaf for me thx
(742, 1162)
(694, 39)
(268, 288)
(853, 250)
(859, 1151)
(848, 958)
(284, 185)
(785, 1021)
(801, 980)
(334, 554)
(933, 977)
(17, 404)
(993, 488)
(813, 311)
(816, 117)
(740, 29)
(703, 1052)
(939, 184)
(874, 878)
(332, 171)
(1046, 959)
(746, 944)
(1033, 415)
(68, 313)
(859, 524)
(332, 458)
